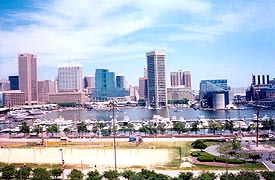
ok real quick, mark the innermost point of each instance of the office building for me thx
(13, 98)
(27, 69)
(89, 82)
(70, 78)
(143, 90)
(68, 97)
(178, 93)
(45, 88)
(14, 82)
(215, 94)
(104, 84)
(157, 92)
(121, 82)
(180, 78)
(4, 85)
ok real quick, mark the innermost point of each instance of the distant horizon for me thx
(213, 40)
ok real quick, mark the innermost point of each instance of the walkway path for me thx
(268, 163)
(212, 150)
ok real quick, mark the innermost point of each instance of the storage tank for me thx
(219, 101)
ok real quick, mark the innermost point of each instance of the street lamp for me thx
(62, 163)
(113, 104)
(257, 115)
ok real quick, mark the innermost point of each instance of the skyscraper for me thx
(104, 83)
(27, 69)
(157, 93)
(70, 78)
(181, 78)
(14, 82)
(121, 82)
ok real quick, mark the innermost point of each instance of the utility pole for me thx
(62, 163)
(113, 104)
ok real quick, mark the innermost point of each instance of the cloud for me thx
(90, 31)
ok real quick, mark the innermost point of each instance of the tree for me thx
(111, 175)
(53, 128)
(195, 126)
(37, 129)
(254, 157)
(185, 176)
(179, 127)
(66, 130)
(236, 145)
(23, 172)
(130, 128)
(8, 172)
(24, 128)
(199, 144)
(41, 174)
(56, 172)
(161, 128)
(81, 128)
(207, 176)
(75, 175)
(268, 175)
(229, 125)
(248, 175)
(214, 126)
(231, 176)
(128, 174)
(94, 175)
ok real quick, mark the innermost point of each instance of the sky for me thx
(212, 39)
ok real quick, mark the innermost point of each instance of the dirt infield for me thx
(91, 157)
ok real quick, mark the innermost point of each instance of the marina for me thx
(139, 117)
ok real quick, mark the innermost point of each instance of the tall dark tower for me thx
(253, 79)
(267, 79)
(259, 79)
(263, 77)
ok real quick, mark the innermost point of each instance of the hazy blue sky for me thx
(213, 39)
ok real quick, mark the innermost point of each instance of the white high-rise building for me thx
(70, 78)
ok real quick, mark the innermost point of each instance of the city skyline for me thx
(224, 40)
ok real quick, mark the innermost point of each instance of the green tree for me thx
(161, 128)
(180, 127)
(128, 174)
(94, 175)
(130, 128)
(81, 128)
(199, 144)
(236, 145)
(75, 175)
(111, 175)
(53, 128)
(41, 174)
(185, 176)
(207, 176)
(248, 175)
(8, 172)
(37, 129)
(231, 176)
(66, 130)
(268, 175)
(254, 157)
(195, 126)
(144, 129)
(229, 125)
(23, 172)
(24, 128)
(56, 172)
(214, 126)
